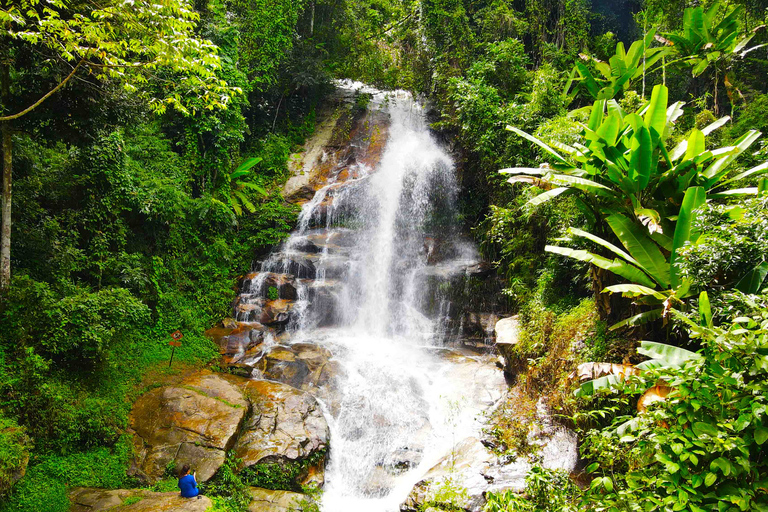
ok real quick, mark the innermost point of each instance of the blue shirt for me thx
(188, 486)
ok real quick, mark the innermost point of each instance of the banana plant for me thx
(625, 178)
(707, 41)
(234, 191)
(618, 73)
(660, 355)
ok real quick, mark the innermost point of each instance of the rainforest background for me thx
(138, 199)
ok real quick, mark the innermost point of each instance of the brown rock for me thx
(193, 423)
(285, 425)
(265, 500)
(85, 499)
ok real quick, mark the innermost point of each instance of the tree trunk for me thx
(5, 228)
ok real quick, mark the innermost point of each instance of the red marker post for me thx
(175, 342)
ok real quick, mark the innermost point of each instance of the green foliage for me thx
(227, 488)
(625, 158)
(43, 489)
(14, 453)
(546, 490)
(445, 494)
(734, 241)
(78, 33)
(281, 475)
(701, 448)
(617, 74)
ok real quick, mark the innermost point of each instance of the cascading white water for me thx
(362, 257)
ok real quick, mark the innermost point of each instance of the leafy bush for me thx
(734, 240)
(14, 453)
(546, 490)
(703, 447)
(44, 487)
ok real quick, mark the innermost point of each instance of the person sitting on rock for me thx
(187, 483)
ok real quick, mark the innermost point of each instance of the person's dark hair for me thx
(184, 470)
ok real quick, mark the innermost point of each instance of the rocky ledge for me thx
(199, 420)
(134, 500)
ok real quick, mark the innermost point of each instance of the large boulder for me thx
(507, 332)
(192, 423)
(85, 499)
(265, 500)
(304, 366)
(286, 427)
(463, 469)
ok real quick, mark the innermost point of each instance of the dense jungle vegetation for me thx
(144, 146)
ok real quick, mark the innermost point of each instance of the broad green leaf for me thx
(705, 309)
(639, 319)
(579, 183)
(596, 115)
(736, 192)
(757, 170)
(641, 247)
(761, 435)
(539, 143)
(656, 116)
(248, 163)
(715, 125)
(700, 427)
(609, 382)
(634, 290)
(710, 479)
(616, 266)
(546, 196)
(752, 282)
(693, 199)
(668, 355)
(695, 144)
(641, 157)
(606, 244)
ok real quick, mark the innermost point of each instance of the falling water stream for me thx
(360, 258)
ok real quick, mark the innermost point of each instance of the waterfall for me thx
(358, 278)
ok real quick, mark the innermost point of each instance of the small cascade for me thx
(358, 306)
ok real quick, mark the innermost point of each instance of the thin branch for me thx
(394, 25)
(50, 93)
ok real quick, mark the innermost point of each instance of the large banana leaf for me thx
(754, 171)
(668, 355)
(604, 243)
(546, 196)
(641, 247)
(616, 266)
(656, 115)
(634, 290)
(694, 198)
(639, 319)
(539, 143)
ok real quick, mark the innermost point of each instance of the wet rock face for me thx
(285, 423)
(464, 468)
(194, 423)
(85, 499)
(345, 138)
(304, 366)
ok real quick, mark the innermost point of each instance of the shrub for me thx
(14, 453)
(702, 448)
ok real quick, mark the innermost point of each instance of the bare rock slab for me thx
(193, 423)
(286, 426)
(85, 499)
(265, 500)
